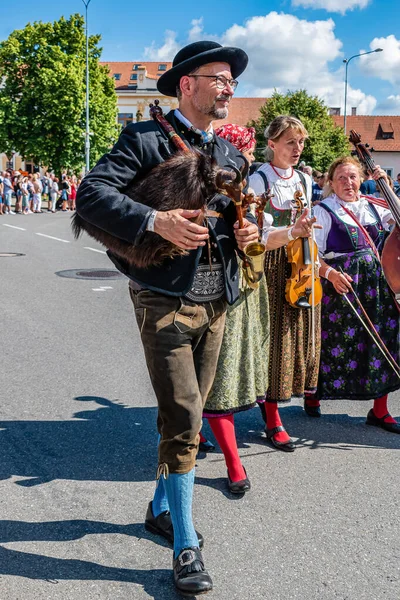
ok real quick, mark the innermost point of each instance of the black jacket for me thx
(101, 200)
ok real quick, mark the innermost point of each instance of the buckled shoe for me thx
(190, 575)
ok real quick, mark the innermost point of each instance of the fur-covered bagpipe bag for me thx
(187, 180)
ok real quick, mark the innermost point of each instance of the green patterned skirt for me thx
(242, 372)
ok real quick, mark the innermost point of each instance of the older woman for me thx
(293, 367)
(352, 366)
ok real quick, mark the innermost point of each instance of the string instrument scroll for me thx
(390, 258)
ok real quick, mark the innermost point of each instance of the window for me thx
(133, 77)
(117, 76)
(387, 135)
(125, 118)
(162, 67)
(135, 67)
(389, 171)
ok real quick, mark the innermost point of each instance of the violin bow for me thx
(371, 329)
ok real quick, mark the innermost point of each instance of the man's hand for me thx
(174, 226)
(303, 226)
(245, 236)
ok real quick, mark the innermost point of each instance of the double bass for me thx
(390, 257)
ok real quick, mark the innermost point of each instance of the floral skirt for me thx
(242, 371)
(352, 367)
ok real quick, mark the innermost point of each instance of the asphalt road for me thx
(78, 455)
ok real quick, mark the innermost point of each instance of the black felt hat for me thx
(197, 54)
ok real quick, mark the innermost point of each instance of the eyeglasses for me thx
(220, 81)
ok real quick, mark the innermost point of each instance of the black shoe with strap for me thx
(372, 419)
(162, 525)
(190, 575)
(239, 487)
(312, 411)
(285, 446)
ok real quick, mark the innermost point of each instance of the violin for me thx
(303, 287)
(391, 251)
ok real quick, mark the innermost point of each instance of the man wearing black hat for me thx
(180, 307)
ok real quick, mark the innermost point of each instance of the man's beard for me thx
(212, 110)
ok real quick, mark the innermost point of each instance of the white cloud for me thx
(389, 106)
(386, 64)
(285, 53)
(340, 6)
(166, 52)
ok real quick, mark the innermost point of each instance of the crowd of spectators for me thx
(26, 193)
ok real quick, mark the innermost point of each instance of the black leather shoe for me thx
(190, 576)
(162, 525)
(206, 446)
(239, 487)
(374, 420)
(287, 447)
(312, 411)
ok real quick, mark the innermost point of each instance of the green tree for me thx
(326, 140)
(42, 101)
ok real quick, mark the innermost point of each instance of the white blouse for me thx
(361, 209)
(283, 184)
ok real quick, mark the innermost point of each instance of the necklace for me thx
(281, 176)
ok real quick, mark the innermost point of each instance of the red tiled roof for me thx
(369, 127)
(242, 110)
(125, 69)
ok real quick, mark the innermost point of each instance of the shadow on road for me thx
(119, 443)
(112, 443)
(156, 582)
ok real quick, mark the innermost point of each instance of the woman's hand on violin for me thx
(340, 281)
(174, 226)
(304, 225)
(378, 172)
(245, 236)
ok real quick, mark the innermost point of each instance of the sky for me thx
(292, 44)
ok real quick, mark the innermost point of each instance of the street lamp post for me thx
(87, 132)
(346, 61)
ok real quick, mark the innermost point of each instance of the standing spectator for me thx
(8, 192)
(54, 193)
(368, 186)
(31, 192)
(318, 188)
(25, 196)
(72, 193)
(1, 193)
(37, 194)
(18, 194)
(64, 193)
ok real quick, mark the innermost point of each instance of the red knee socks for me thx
(381, 409)
(274, 420)
(223, 428)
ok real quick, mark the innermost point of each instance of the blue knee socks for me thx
(160, 500)
(179, 488)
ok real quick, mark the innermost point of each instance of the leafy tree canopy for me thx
(42, 101)
(326, 140)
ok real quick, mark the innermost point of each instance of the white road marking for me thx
(103, 288)
(94, 250)
(14, 227)
(53, 238)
